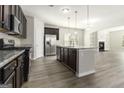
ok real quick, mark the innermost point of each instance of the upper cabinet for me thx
(6, 22)
(1, 16)
(6, 17)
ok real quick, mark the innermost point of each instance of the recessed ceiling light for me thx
(65, 10)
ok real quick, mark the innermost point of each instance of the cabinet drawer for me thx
(7, 70)
(20, 60)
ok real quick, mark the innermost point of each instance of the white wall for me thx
(30, 32)
(35, 36)
(87, 38)
(93, 39)
(64, 31)
(38, 38)
(17, 40)
(117, 40)
(104, 36)
(90, 38)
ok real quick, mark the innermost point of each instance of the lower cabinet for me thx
(61, 55)
(58, 53)
(12, 74)
(72, 58)
(18, 77)
(68, 56)
(19, 72)
(10, 82)
(66, 61)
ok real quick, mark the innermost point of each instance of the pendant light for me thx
(75, 19)
(75, 41)
(88, 17)
(68, 23)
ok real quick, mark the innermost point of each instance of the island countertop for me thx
(80, 60)
(77, 47)
(7, 56)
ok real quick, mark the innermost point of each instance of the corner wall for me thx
(35, 36)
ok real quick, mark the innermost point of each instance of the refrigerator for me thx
(50, 45)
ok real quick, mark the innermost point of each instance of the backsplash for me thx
(17, 40)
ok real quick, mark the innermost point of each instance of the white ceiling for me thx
(101, 16)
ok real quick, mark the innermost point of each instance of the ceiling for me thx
(100, 16)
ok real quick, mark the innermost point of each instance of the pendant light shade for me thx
(75, 19)
(68, 23)
(88, 17)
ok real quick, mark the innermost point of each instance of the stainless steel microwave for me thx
(16, 25)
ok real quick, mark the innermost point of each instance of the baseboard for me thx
(85, 73)
(36, 58)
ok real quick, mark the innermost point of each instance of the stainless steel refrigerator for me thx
(50, 45)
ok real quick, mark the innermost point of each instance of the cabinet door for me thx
(19, 72)
(6, 16)
(1, 15)
(19, 13)
(61, 55)
(72, 58)
(10, 82)
(65, 56)
(58, 53)
(16, 11)
(24, 26)
(18, 77)
(13, 9)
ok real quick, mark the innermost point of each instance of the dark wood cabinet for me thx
(61, 55)
(26, 65)
(18, 77)
(68, 56)
(52, 31)
(24, 26)
(16, 11)
(66, 61)
(72, 58)
(10, 82)
(19, 72)
(6, 16)
(5, 19)
(58, 53)
(8, 69)
(13, 9)
(1, 16)
(15, 73)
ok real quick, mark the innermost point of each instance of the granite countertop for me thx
(16, 48)
(78, 47)
(8, 55)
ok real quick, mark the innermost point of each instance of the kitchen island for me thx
(80, 60)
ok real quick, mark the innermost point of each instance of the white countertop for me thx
(77, 47)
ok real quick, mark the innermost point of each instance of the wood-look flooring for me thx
(47, 72)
